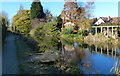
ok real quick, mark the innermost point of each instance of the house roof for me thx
(116, 18)
(105, 19)
(93, 20)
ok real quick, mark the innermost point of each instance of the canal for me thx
(91, 59)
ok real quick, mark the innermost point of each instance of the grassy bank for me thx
(28, 65)
(23, 51)
(72, 37)
(98, 39)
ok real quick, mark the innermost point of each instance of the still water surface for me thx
(91, 59)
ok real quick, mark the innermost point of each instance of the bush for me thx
(32, 33)
(92, 31)
(66, 31)
(43, 29)
(51, 28)
(72, 36)
(38, 31)
(3, 26)
(83, 32)
(21, 22)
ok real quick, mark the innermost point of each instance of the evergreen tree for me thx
(59, 22)
(36, 10)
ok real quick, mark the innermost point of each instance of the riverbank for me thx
(58, 60)
(27, 65)
(101, 39)
(33, 62)
(90, 39)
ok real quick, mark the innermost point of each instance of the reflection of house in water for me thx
(108, 50)
(116, 67)
(78, 53)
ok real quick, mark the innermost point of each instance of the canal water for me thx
(91, 59)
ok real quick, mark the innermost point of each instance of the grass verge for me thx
(22, 52)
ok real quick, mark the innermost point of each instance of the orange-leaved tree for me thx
(79, 15)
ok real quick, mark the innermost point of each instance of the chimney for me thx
(109, 18)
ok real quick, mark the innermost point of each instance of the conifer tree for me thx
(36, 10)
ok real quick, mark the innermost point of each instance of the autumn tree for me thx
(21, 22)
(84, 21)
(36, 10)
(79, 15)
(69, 12)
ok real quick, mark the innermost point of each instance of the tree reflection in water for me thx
(92, 57)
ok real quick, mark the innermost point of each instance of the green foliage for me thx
(48, 44)
(59, 22)
(21, 22)
(67, 31)
(92, 31)
(83, 32)
(67, 42)
(74, 37)
(36, 10)
(42, 29)
(3, 21)
(38, 31)
(51, 28)
(3, 25)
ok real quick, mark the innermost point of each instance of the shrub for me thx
(92, 31)
(3, 26)
(66, 31)
(43, 29)
(83, 32)
(21, 22)
(32, 33)
(37, 31)
(51, 28)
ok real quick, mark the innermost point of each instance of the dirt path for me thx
(9, 57)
